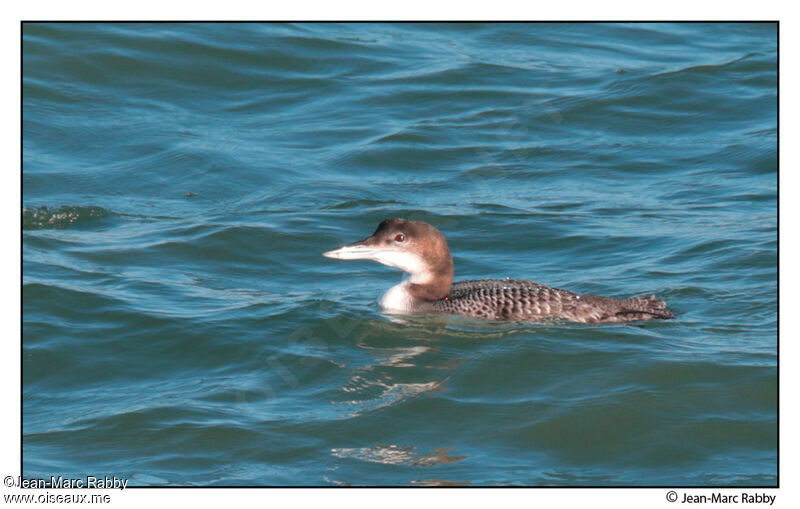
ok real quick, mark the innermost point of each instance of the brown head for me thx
(413, 246)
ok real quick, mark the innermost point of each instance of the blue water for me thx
(180, 182)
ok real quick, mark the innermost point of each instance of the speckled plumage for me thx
(513, 299)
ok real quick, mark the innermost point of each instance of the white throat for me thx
(398, 299)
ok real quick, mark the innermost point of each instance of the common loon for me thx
(421, 250)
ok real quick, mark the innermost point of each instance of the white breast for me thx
(397, 299)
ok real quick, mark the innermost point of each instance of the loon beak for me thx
(367, 250)
(355, 251)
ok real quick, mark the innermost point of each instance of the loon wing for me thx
(513, 299)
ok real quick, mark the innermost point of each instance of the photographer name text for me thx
(722, 498)
(60, 482)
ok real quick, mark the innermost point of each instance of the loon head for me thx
(413, 246)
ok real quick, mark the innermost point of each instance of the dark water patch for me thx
(364, 203)
(37, 218)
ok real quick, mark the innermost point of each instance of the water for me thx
(180, 182)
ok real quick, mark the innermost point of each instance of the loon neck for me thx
(422, 287)
(432, 285)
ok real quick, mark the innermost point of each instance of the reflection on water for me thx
(438, 482)
(396, 455)
(386, 382)
(398, 356)
(394, 378)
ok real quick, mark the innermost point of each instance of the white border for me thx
(409, 9)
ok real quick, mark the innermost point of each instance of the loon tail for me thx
(644, 307)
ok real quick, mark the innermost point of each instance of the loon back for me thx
(421, 250)
(513, 299)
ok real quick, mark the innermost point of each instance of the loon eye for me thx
(399, 237)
